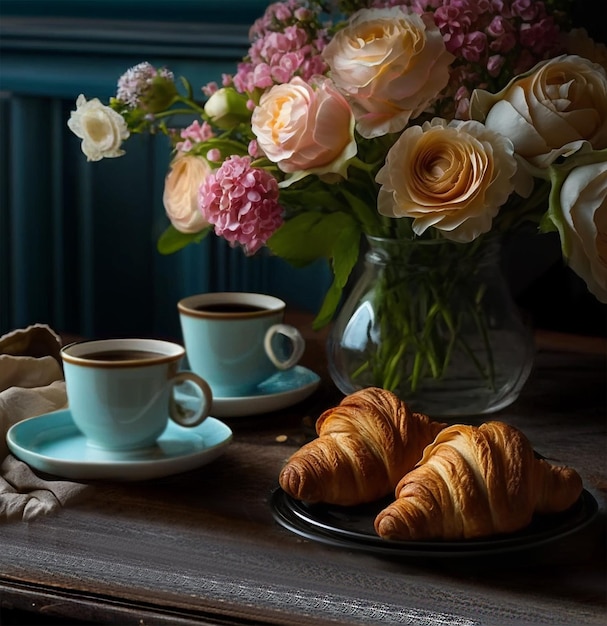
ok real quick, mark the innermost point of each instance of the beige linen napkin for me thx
(31, 384)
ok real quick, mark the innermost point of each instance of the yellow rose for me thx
(453, 177)
(550, 111)
(101, 129)
(305, 129)
(390, 65)
(582, 223)
(180, 198)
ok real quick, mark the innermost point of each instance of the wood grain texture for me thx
(203, 548)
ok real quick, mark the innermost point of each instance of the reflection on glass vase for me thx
(434, 322)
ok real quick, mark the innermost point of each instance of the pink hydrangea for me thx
(241, 202)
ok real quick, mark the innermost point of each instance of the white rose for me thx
(180, 196)
(583, 225)
(578, 42)
(549, 111)
(101, 129)
(227, 108)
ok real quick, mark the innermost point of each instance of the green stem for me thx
(423, 315)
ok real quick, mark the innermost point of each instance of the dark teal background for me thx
(227, 11)
(78, 239)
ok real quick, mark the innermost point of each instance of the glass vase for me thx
(434, 322)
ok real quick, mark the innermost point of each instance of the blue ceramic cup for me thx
(236, 340)
(122, 392)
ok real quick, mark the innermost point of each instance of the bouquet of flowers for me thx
(405, 119)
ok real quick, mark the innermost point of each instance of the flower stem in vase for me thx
(432, 321)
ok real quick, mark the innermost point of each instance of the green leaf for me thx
(173, 240)
(307, 196)
(225, 145)
(314, 235)
(309, 236)
(365, 212)
(328, 307)
(188, 88)
(345, 253)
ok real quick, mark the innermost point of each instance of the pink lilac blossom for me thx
(285, 42)
(459, 20)
(214, 155)
(274, 16)
(195, 133)
(210, 88)
(492, 40)
(253, 149)
(137, 81)
(241, 202)
(494, 64)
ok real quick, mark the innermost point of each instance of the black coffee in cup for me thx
(229, 307)
(121, 355)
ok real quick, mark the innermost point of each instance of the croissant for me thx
(363, 448)
(476, 482)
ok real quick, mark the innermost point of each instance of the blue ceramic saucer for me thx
(52, 444)
(281, 390)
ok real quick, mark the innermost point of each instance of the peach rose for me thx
(582, 223)
(180, 198)
(305, 129)
(390, 65)
(101, 129)
(550, 111)
(453, 177)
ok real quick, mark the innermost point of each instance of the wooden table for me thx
(203, 547)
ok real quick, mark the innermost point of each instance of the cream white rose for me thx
(180, 198)
(101, 129)
(305, 129)
(390, 65)
(582, 222)
(226, 108)
(550, 111)
(578, 42)
(453, 177)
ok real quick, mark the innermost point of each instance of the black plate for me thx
(352, 527)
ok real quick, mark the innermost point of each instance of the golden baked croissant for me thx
(476, 482)
(364, 447)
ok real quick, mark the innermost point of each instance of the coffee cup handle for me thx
(297, 342)
(182, 412)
